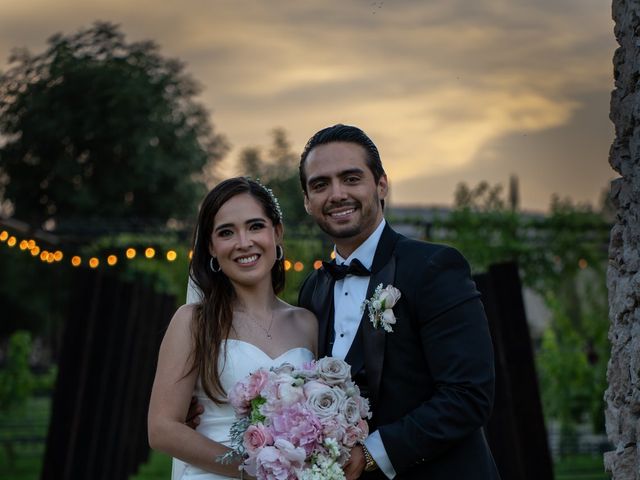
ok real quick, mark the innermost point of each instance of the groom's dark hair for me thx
(343, 133)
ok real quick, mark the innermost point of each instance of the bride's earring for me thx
(212, 265)
(279, 252)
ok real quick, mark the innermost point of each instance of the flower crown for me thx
(274, 199)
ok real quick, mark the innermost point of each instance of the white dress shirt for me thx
(348, 296)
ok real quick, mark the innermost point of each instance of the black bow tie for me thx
(338, 272)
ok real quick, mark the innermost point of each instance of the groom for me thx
(430, 380)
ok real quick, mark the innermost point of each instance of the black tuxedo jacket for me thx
(431, 380)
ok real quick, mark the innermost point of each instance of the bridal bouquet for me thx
(298, 423)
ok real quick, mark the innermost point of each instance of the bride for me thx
(239, 326)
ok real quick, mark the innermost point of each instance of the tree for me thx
(96, 127)
(279, 171)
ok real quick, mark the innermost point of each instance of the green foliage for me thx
(16, 380)
(562, 256)
(28, 294)
(96, 127)
(164, 276)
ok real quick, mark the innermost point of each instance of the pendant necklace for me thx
(267, 331)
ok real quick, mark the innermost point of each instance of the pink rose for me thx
(353, 435)
(239, 399)
(257, 381)
(364, 427)
(243, 392)
(256, 437)
(333, 428)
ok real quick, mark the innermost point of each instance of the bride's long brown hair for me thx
(212, 318)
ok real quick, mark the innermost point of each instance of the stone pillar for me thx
(622, 412)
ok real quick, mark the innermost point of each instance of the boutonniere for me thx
(380, 306)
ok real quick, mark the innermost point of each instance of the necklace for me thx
(267, 331)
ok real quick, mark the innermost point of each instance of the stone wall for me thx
(622, 412)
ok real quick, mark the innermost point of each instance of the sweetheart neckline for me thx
(273, 359)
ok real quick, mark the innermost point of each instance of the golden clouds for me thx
(432, 82)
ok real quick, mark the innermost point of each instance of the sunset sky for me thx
(450, 90)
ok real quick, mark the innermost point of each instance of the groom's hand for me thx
(193, 415)
(355, 466)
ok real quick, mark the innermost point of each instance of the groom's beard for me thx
(366, 218)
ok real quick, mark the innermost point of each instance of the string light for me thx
(171, 255)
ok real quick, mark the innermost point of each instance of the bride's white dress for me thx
(242, 358)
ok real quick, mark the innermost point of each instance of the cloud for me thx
(433, 83)
(564, 160)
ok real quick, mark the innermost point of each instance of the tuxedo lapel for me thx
(322, 305)
(383, 271)
(374, 338)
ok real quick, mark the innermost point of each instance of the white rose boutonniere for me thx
(380, 306)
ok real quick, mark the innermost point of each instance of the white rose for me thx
(284, 368)
(333, 370)
(389, 296)
(388, 317)
(288, 389)
(325, 403)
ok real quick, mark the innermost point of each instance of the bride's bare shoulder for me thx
(184, 315)
(300, 316)
(297, 312)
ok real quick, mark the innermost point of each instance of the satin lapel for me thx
(383, 272)
(374, 338)
(322, 306)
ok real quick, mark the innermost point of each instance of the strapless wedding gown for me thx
(242, 358)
